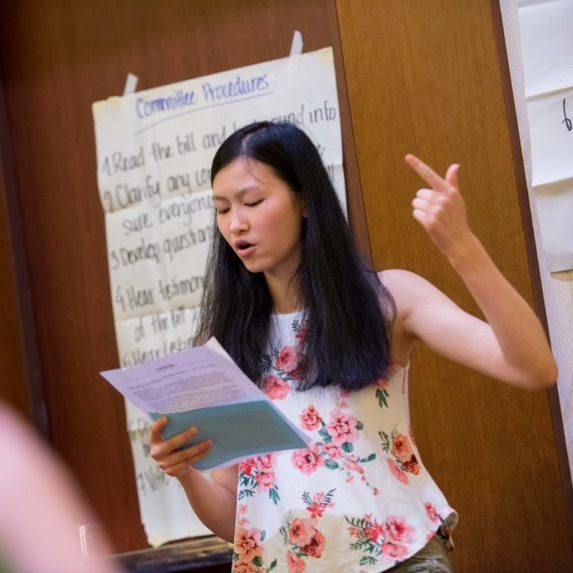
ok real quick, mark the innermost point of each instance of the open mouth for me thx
(244, 248)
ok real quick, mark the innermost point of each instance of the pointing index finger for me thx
(427, 173)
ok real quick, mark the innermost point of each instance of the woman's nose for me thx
(238, 222)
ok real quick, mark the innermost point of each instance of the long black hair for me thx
(349, 312)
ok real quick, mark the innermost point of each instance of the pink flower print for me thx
(310, 419)
(275, 388)
(432, 512)
(397, 530)
(243, 567)
(266, 480)
(353, 466)
(303, 333)
(297, 373)
(355, 531)
(331, 451)
(394, 551)
(295, 564)
(319, 502)
(316, 545)
(307, 460)
(243, 509)
(401, 448)
(343, 428)
(301, 532)
(382, 384)
(374, 533)
(243, 522)
(248, 544)
(248, 466)
(287, 359)
(265, 463)
(316, 510)
(257, 474)
(398, 473)
(412, 465)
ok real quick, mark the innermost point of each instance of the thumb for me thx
(452, 175)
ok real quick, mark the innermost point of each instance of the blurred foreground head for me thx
(41, 508)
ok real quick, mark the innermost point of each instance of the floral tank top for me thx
(357, 499)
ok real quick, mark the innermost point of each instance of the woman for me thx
(329, 341)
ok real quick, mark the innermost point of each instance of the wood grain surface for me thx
(427, 82)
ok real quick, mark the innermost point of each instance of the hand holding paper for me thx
(172, 456)
(203, 388)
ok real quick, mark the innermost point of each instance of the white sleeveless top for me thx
(358, 499)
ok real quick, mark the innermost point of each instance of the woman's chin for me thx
(254, 266)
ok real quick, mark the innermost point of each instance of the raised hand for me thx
(172, 462)
(440, 209)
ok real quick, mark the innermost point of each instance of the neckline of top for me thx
(284, 316)
(287, 314)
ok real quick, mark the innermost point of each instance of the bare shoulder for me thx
(400, 283)
(405, 286)
(397, 277)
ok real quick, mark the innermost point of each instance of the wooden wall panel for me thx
(427, 80)
(13, 384)
(57, 58)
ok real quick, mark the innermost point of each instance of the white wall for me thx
(557, 287)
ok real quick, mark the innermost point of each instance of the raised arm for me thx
(511, 345)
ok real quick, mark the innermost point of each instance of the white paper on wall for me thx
(557, 289)
(547, 41)
(554, 205)
(551, 124)
(154, 152)
(547, 45)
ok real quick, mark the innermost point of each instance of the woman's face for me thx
(260, 217)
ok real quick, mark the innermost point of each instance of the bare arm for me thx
(511, 349)
(511, 344)
(214, 501)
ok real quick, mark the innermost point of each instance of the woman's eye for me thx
(221, 211)
(254, 204)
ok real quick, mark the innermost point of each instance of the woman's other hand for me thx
(440, 209)
(166, 453)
